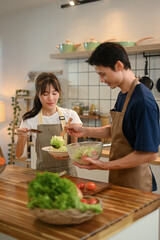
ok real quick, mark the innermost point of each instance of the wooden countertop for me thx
(122, 206)
(105, 153)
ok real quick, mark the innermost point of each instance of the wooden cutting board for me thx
(100, 186)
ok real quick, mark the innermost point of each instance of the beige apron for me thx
(45, 161)
(139, 177)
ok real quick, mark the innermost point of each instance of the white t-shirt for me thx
(53, 119)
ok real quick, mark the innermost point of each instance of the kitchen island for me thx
(126, 213)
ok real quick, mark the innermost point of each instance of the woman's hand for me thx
(22, 132)
(59, 158)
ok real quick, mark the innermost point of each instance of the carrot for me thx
(2, 161)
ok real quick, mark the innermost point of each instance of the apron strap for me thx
(63, 122)
(61, 118)
(129, 94)
(40, 121)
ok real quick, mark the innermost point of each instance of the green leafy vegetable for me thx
(61, 149)
(86, 151)
(49, 191)
(57, 141)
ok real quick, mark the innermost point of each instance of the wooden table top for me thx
(121, 207)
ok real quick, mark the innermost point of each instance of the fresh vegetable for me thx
(61, 149)
(2, 161)
(81, 185)
(86, 151)
(49, 191)
(57, 141)
(84, 200)
(89, 201)
(90, 186)
(92, 201)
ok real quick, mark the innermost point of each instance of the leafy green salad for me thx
(86, 151)
(58, 143)
(49, 191)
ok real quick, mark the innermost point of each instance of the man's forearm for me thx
(133, 159)
(98, 132)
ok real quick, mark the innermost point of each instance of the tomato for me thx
(90, 186)
(92, 201)
(94, 153)
(81, 185)
(84, 200)
(78, 185)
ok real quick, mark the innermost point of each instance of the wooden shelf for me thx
(150, 48)
(89, 116)
(25, 97)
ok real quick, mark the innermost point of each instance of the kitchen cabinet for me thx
(150, 48)
(126, 213)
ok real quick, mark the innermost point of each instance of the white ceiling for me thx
(8, 6)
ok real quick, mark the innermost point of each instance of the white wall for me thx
(28, 37)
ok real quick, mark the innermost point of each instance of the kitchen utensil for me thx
(145, 79)
(130, 43)
(65, 129)
(34, 130)
(54, 152)
(91, 45)
(62, 173)
(67, 47)
(78, 150)
(69, 216)
(158, 85)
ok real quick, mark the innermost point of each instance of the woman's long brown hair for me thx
(40, 85)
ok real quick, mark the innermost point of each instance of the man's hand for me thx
(94, 164)
(75, 130)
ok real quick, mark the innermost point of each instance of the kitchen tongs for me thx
(65, 129)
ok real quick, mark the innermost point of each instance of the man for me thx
(135, 122)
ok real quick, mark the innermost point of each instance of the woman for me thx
(50, 119)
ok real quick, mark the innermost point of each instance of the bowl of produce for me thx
(57, 147)
(80, 150)
(57, 201)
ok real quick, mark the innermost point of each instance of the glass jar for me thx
(78, 107)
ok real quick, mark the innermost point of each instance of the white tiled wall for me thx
(84, 84)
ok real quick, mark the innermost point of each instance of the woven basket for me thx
(2, 167)
(60, 217)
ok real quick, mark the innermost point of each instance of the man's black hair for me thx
(107, 54)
